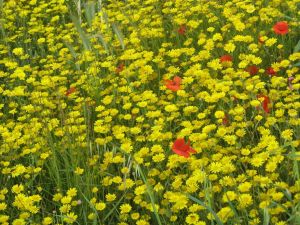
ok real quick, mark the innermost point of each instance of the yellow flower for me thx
(47, 221)
(158, 157)
(100, 206)
(230, 139)
(125, 208)
(18, 51)
(107, 100)
(126, 147)
(287, 134)
(72, 192)
(140, 190)
(135, 216)
(229, 47)
(3, 206)
(142, 222)
(270, 42)
(229, 196)
(66, 199)
(17, 188)
(192, 218)
(245, 200)
(44, 155)
(245, 187)
(215, 167)
(91, 216)
(70, 218)
(215, 64)
(257, 161)
(171, 108)
(19, 222)
(225, 213)
(173, 218)
(219, 114)
(4, 219)
(57, 197)
(79, 171)
(18, 170)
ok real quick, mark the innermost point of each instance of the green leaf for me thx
(297, 47)
(288, 194)
(288, 17)
(266, 217)
(297, 64)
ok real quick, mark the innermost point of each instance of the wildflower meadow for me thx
(149, 112)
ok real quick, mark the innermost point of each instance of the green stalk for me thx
(150, 193)
(218, 220)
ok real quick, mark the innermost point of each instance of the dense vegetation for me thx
(149, 112)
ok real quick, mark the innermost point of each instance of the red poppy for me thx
(173, 85)
(70, 91)
(182, 148)
(265, 103)
(281, 28)
(182, 29)
(290, 79)
(120, 67)
(90, 103)
(270, 71)
(226, 58)
(234, 98)
(225, 120)
(253, 70)
(260, 40)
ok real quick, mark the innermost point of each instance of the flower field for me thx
(149, 112)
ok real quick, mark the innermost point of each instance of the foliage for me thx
(149, 112)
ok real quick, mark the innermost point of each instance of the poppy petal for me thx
(178, 143)
(177, 80)
(182, 153)
(191, 150)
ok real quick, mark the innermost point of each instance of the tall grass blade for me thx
(119, 35)
(297, 47)
(90, 11)
(218, 220)
(102, 41)
(283, 207)
(83, 36)
(266, 217)
(150, 193)
(115, 206)
(71, 49)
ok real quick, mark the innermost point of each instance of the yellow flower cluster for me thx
(96, 96)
